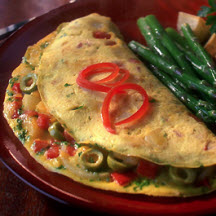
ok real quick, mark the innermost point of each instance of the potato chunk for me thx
(41, 108)
(30, 101)
(197, 24)
(210, 46)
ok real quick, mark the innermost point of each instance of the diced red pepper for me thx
(16, 88)
(147, 169)
(123, 178)
(15, 115)
(68, 137)
(71, 150)
(52, 152)
(43, 121)
(101, 35)
(18, 96)
(40, 144)
(15, 106)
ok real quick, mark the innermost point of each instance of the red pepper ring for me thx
(101, 68)
(137, 115)
(126, 75)
(112, 76)
(94, 69)
(93, 86)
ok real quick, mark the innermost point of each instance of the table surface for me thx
(16, 197)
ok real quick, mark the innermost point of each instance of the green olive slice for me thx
(92, 159)
(83, 173)
(116, 165)
(119, 162)
(56, 131)
(28, 83)
(182, 175)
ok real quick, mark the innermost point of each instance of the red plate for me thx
(124, 13)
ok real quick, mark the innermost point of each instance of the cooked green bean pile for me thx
(181, 63)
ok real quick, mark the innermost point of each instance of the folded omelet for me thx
(177, 151)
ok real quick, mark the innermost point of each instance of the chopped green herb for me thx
(20, 111)
(80, 153)
(25, 61)
(22, 136)
(157, 186)
(13, 80)
(66, 85)
(11, 99)
(44, 45)
(79, 107)
(64, 143)
(19, 124)
(77, 145)
(9, 93)
(165, 135)
(60, 167)
(68, 95)
(152, 100)
(140, 183)
(99, 146)
(40, 55)
(42, 151)
(57, 143)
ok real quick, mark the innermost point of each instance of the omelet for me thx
(166, 153)
(167, 135)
